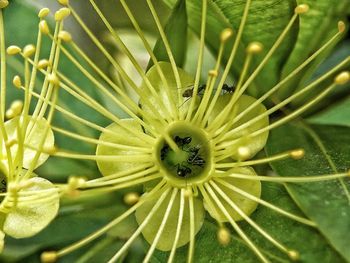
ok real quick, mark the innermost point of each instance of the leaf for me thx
(337, 115)
(323, 15)
(327, 151)
(266, 20)
(176, 34)
(306, 240)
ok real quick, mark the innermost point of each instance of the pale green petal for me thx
(248, 206)
(156, 81)
(120, 136)
(254, 144)
(167, 238)
(26, 219)
(34, 135)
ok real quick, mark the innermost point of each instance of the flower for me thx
(189, 145)
(28, 202)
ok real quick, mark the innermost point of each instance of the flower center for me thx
(191, 163)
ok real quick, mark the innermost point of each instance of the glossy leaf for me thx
(327, 151)
(176, 34)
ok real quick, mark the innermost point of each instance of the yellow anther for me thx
(297, 154)
(301, 9)
(28, 50)
(348, 172)
(213, 73)
(224, 236)
(44, 28)
(226, 34)
(43, 12)
(48, 257)
(4, 3)
(17, 81)
(15, 109)
(43, 63)
(342, 78)
(255, 48)
(243, 152)
(65, 36)
(50, 150)
(62, 14)
(64, 2)
(293, 255)
(53, 79)
(341, 26)
(131, 198)
(13, 50)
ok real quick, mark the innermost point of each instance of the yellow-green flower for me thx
(188, 144)
(28, 202)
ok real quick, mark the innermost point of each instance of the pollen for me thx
(297, 154)
(224, 236)
(49, 257)
(3, 3)
(255, 48)
(17, 81)
(62, 14)
(226, 34)
(302, 9)
(13, 50)
(342, 78)
(131, 198)
(65, 36)
(43, 12)
(28, 50)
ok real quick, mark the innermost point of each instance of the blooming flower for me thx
(189, 145)
(28, 202)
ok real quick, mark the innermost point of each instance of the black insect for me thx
(183, 171)
(164, 151)
(182, 141)
(228, 89)
(194, 158)
(189, 92)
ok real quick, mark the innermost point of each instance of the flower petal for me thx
(248, 206)
(255, 144)
(166, 240)
(125, 138)
(34, 135)
(157, 83)
(27, 219)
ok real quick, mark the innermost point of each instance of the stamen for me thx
(178, 227)
(141, 227)
(224, 236)
(131, 198)
(235, 225)
(281, 179)
(192, 230)
(248, 220)
(43, 12)
(266, 204)
(162, 225)
(110, 225)
(200, 59)
(295, 154)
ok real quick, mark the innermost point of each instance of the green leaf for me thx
(316, 27)
(327, 151)
(337, 115)
(176, 34)
(306, 240)
(266, 20)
